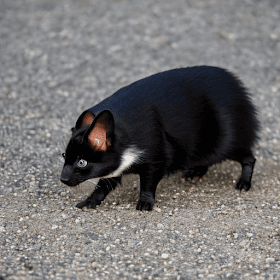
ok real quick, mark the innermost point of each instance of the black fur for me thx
(179, 120)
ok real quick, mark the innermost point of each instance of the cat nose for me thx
(63, 180)
(65, 175)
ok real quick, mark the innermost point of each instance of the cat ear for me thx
(100, 134)
(86, 118)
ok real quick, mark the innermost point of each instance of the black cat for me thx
(179, 120)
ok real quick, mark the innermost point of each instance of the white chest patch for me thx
(129, 157)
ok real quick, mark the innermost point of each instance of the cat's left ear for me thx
(100, 133)
(86, 118)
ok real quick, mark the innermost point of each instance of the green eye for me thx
(82, 163)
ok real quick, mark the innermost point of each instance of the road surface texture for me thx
(58, 58)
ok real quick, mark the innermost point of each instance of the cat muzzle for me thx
(66, 176)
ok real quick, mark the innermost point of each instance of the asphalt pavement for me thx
(58, 58)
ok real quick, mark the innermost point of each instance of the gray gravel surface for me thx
(57, 58)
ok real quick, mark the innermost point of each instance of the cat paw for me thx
(191, 173)
(89, 203)
(241, 184)
(144, 205)
(188, 174)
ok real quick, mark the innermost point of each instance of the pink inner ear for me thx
(88, 119)
(97, 137)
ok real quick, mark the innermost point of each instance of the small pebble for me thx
(160, 226)
(270, 260)
(164, 256)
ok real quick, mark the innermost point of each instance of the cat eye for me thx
(82, 163)
(63, 155)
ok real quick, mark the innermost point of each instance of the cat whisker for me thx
(110, 184)
(113, 180)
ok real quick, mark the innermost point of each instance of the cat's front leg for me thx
(103, 188)
(148, 184)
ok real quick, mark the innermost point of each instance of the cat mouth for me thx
(73, 184)
(68, 181)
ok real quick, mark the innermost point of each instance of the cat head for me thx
(90, 152)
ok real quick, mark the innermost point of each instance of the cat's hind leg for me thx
(103, 188)
(247, 162)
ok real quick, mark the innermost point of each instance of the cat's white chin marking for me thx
(130, 156)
